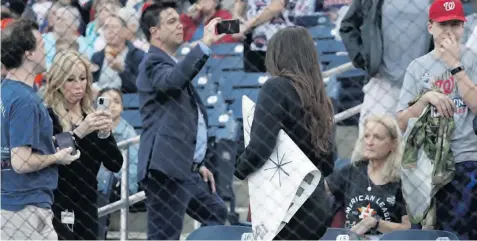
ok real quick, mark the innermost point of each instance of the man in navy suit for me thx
(174, 138)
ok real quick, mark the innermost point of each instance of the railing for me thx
(127, 200)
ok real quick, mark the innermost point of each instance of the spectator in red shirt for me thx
(199, 15)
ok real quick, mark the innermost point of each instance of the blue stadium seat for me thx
(207, 91)
(321, 32)
(468, 9)
(236, 106)
(416, 234)
(131, 101)
(335, 233)
(183, 51)
(320, 19)
(132, 117)
(226, 88)
(251, 93)
(243, 80)
(329, 61)
(229, 127)
(219, 232)
(227, 49)
(329, 46)
(217, 101)
(226, 63)
(212, 131)
(213, 115)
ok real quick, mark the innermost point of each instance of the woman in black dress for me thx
(69, 99)
(294, 100)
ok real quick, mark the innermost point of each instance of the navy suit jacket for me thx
(168, 107)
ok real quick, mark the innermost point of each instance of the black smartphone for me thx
(228, 26)
(64, 140)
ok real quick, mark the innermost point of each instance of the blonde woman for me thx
(69, 99)
(369, 188)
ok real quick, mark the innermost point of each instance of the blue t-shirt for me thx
(25, 122)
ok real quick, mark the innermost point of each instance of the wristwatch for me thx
(457, 70)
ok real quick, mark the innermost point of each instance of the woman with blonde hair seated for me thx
(369, 189)
(69, 99)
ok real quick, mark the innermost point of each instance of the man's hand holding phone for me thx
(210, 32)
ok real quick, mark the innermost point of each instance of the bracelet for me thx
(75, 137)
(457, 70)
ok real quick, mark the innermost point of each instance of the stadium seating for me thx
(317, 19)
(329, 46)
(225, 63)
(330, 61)
(130, 101)
(228, 49)
(416, 234)
(339, 234)
(236, 97)
(223, 72)
(321, 32)
(133, 118)
(243, 80)
(219, 233)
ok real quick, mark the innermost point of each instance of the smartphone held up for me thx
(103, 105)
(231, 26)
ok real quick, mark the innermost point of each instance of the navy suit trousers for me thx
(169, 199)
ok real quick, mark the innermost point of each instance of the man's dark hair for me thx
(152, 16)
(17, 38)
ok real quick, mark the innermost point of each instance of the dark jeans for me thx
(456, 205)
(169, 199)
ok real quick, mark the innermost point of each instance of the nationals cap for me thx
(446, 10)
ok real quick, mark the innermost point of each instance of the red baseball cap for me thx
(446, 10)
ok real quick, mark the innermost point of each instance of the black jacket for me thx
(131, 70)
(360, 31)
(78, 185)
(279, 107)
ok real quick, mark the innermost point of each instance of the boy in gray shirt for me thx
(453, 69)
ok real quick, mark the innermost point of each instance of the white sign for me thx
(281, 186)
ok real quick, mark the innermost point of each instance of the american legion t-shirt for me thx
(25, 122)
(428, 72)
(349, 186)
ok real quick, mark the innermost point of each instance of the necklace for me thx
(369, 182)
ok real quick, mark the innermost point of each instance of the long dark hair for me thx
(292, 54)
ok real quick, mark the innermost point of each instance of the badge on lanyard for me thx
(68, 218)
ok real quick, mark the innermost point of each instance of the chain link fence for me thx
(97, 49)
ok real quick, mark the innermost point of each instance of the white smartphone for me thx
(103, 103)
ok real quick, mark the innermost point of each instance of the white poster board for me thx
(281, 186)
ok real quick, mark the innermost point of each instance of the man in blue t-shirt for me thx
(28, 157)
